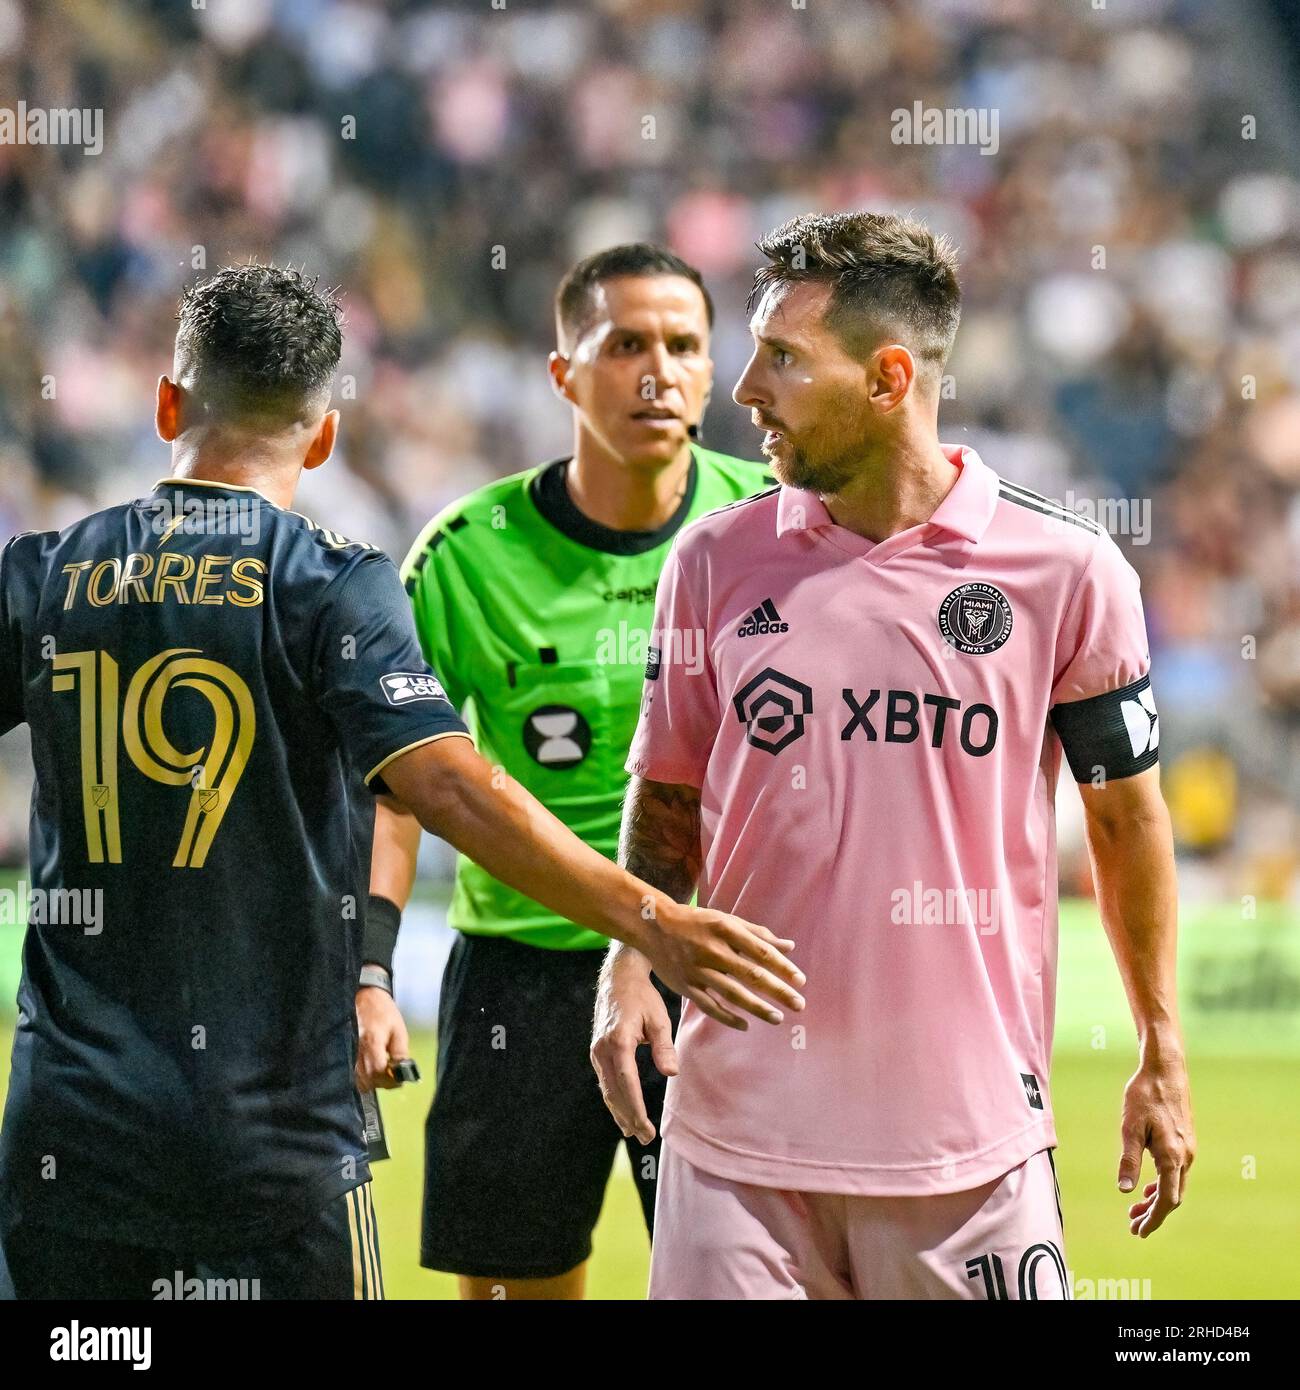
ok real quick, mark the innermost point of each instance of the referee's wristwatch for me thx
(376, 975)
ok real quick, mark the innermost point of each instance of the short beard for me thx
(817, 475)
(836, 462)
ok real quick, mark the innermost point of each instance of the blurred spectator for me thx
(1131, 253)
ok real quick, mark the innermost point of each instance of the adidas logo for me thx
(763, 619)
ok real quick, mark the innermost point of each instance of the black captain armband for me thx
(379, 935)
(1114, 735)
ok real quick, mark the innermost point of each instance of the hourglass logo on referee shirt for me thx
(557, 736)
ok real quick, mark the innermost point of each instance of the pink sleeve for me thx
(679, 703)
(1102, 643)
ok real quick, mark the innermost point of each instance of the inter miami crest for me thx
(772, 706)
(557, 736)
(975, 619)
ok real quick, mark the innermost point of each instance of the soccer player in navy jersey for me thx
(212, 682)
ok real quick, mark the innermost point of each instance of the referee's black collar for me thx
(550, 493)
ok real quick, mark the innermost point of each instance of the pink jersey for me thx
(876, 730)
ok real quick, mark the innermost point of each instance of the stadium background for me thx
(1131, 259)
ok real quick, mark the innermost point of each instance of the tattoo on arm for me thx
(660, 839)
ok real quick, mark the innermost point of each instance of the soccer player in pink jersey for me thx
(851, 730)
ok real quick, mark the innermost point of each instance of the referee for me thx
(533, 598)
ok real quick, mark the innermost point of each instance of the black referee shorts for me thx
(334, 1256)
(518, 1143)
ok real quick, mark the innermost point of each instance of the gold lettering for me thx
(74, 573)
(241, 572)
(100, 600)
(137, 566)
(166, 563)
(207, 578)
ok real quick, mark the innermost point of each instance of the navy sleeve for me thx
(11, 663)
(373, 682)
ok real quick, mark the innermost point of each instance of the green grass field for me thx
(1236, 1234)
(1235, 1237)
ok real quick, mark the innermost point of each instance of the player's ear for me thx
(167, 416)
(557, 366)
(892, 369)
(322, 446)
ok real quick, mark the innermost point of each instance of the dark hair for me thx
(886, 272)
(262, 342)
(574, 299)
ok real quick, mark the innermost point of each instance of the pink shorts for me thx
(720, 1239)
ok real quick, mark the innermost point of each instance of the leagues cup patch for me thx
(975, 618)
(401, 688)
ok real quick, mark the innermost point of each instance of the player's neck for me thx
(625, 498)
(899, 488)
(275, 479)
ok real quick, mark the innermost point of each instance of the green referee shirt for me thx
(537, 621)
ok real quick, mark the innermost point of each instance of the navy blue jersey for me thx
(211, 682)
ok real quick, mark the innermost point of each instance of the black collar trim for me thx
(550, 494)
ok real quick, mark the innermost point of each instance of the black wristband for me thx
(376, 976)
(379, 935)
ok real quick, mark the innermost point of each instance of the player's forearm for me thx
(396, 850)
(1137, 893)
(659, 842)
(660, 836)
(488, 816)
